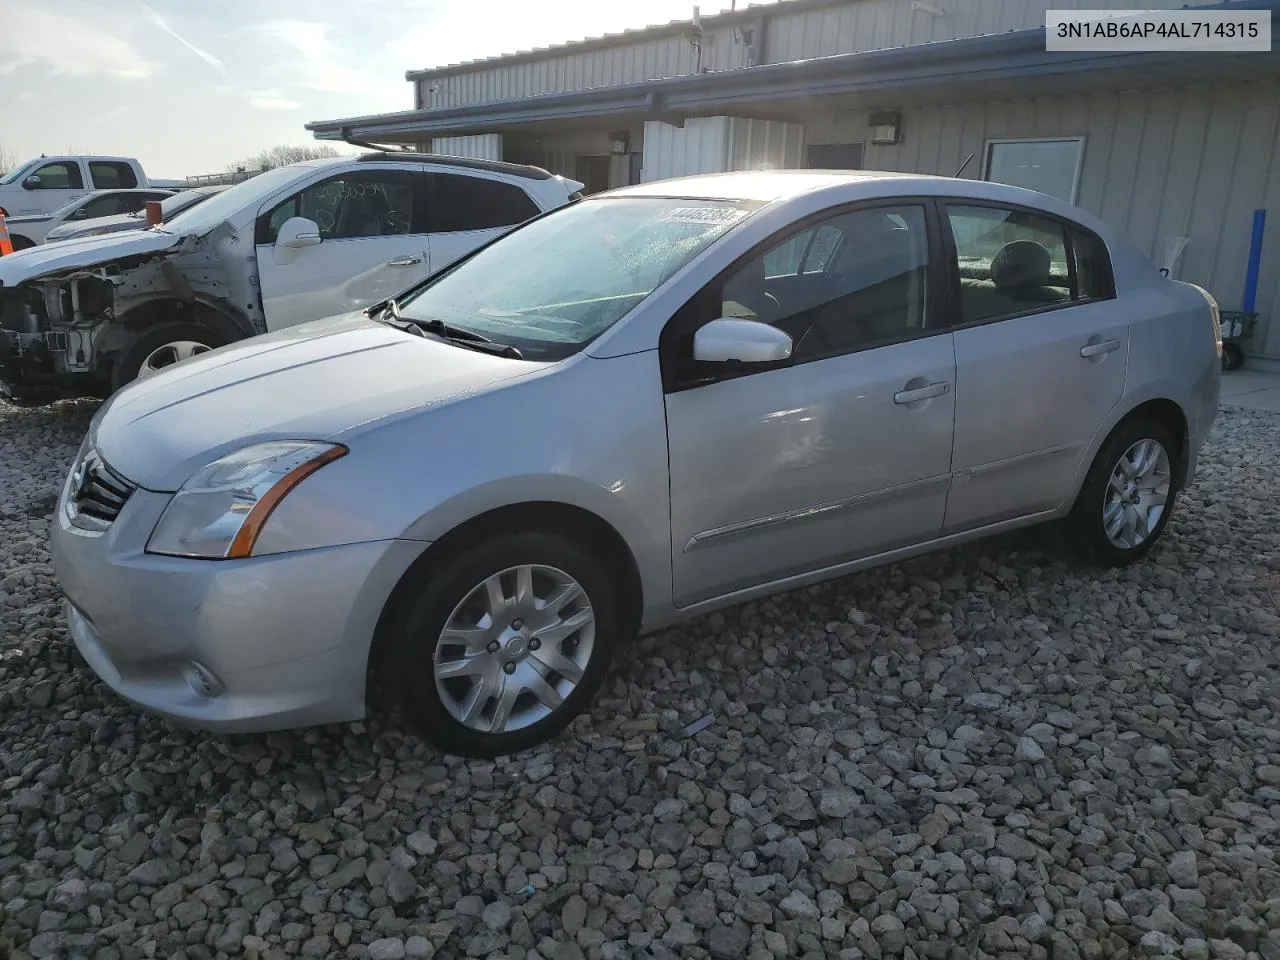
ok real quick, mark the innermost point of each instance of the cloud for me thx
(319, 65)
(272, 100)
(202, 54)
(66, 45)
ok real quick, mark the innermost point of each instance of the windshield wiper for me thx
(390, 315)
(456, 335)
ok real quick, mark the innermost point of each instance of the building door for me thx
(592, 171)
(834, 156)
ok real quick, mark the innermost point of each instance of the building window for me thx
(1048, 166)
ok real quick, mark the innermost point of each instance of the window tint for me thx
(365, 203)
(109, 174)
(858, 280)
(461, 202)
(60, 175)
(1010, 261)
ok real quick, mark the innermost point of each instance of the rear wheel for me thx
(152, 349)
(505, 644)
(1129, 494)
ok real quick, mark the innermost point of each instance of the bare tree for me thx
(282, 155)
(8, 160)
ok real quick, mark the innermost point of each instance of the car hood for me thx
(326, 380)
(35, 262)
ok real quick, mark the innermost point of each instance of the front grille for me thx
(97, 494)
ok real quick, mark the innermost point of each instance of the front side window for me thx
(461, 203)
(60, 175)
(857, 280)
(1048, 166)
(112, 174)
(363, 203)
(1010, 262)
(554, 285)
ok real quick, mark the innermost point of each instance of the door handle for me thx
(1097, 349)
(404, 262)
(921, 393)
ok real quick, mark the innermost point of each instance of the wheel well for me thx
(229, 325)
(1170, 415)
(581, 525)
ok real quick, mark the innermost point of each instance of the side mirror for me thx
(32, 182)
(80, 213)
(298, 232)
(746, 341)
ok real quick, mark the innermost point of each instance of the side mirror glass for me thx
(80, 214)
(746, 341)
(298, 232)
(32, 182)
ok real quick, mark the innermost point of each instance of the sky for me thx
(190, 86)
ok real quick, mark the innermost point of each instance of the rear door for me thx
(468, 210)
(1041, 356)
(372, 245)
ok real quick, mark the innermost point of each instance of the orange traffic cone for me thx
(6, 245)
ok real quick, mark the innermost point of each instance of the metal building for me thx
(1177, 149)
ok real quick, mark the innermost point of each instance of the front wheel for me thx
(1128, 496)
(503, 645)
(152, 349)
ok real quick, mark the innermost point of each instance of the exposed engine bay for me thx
(63, 333)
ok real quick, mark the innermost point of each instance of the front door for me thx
(843, 451)
(372, 246)
(1041, 354)
(60, 182)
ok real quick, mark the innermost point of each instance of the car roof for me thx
(759, 185)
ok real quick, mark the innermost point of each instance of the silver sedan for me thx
(646, 405)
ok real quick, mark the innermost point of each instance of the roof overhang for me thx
(997, 65)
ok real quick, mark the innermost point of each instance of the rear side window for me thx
(107, 206)
(462, 203)
(112, 175)
(1093, 266)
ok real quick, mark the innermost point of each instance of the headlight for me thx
(221, 509)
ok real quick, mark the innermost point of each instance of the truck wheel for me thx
(152, 349)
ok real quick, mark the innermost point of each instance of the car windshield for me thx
(557, 283)
(203, 217)
(17, 172)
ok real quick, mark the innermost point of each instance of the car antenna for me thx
(963, 165)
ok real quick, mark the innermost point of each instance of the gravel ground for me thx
(985, 753)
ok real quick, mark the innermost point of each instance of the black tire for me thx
(413, 634)
(1086, 519)
(146, 341)
(1232, 356)
(20, 242)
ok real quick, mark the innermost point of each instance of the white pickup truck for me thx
(313, 239)
(46, 183)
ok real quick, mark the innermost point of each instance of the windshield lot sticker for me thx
(709, 215)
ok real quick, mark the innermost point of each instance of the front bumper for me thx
(280, 641)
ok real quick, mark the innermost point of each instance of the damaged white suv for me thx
(301, 242)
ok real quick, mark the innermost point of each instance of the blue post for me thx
(1255, 261)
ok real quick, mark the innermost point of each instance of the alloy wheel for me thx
(1137, 494)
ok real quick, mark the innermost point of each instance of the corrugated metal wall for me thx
(626, 63)
(857, 26)
(718, 144)
(1194, 162)
(480, 146)
(764, 144)
(876, 24)
(700, 146)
